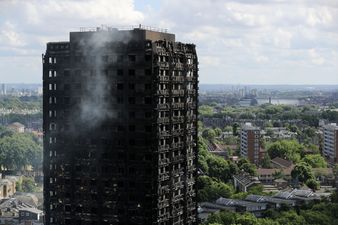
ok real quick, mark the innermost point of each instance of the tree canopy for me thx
(287, 149)
(19, 150)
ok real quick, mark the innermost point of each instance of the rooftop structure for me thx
(276, 202)
(242, 182)
(281, 163)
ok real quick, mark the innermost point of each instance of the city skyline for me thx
(239, 42)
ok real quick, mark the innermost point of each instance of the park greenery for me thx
(216, 175)
(19, 150)
(321, 213)
(24, 109)
(274, 115)
(21, 103)
(26, 184)
(302, 150)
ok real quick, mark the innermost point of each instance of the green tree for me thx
(218, 131)
(313, 184)
(210, 189)
(4, 131)
(27, 184)
(315, 161)
(209, 134)
(235, 128)
(205, 110)
(315, 218)
(291, 218)
(289, 149)
(256, 189)
(219, 168)
(18, 151)
(302, 172)
(249, 168)
(266, 161)
(203, 165)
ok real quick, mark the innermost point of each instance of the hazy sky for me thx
(238, 41)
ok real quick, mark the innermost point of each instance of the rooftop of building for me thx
(249, 126)
(122, 34)
(236, 202)
(296, 194)
(281, 162)
(260, 198)
(32, 210)
(16, 125)
(272, 171)
(123, 28)
(246, 179)
(331, 126)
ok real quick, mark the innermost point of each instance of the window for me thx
(52, 73)
(147, 115)
(52, 100)
(120, 58)
(132, 114)
(147, 100)
(132, 142)
(52, 60)
(148, 128)
(119, 100)
(147, 72)
(132, 58)
(77, 73)
(119, 86)
(147, 58)
(66, 73)
(132, 86)
(52, 87)
(131, 100)
(52, 126)
(105, 58)
(52, 113)
(120, 72)
(131, 128)
(131, 72)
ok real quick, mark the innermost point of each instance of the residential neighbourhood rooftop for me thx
(282, 163)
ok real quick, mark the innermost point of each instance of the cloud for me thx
(238, 41)
(249, 39)
(10, 36)
(26, 27)
(38, 19)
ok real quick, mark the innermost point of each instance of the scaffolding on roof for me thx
(111, 28)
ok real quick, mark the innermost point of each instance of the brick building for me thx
(250, 143)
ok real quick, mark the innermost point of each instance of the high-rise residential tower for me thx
(250, 143)
(120, 129)
(330, 150)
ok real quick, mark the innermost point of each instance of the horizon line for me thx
(232, 84)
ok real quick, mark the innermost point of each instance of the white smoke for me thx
(95, 106)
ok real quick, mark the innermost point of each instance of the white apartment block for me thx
(330, 150)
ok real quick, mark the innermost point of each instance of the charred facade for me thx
(120, 129)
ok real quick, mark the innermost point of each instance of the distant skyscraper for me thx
(120, 129)
(3, 89)
(330, 150)
(250, 143)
